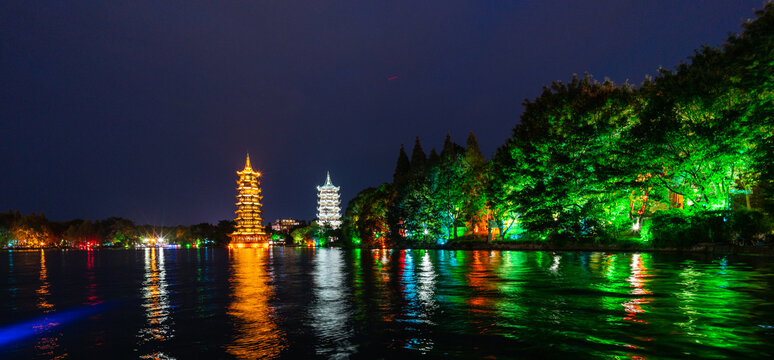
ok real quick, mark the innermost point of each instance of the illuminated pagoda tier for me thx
(328, 210)
(249, 229)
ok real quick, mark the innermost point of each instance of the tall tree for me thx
(365, 220)
(569, 138)
(433, 159)
(502, 180)
(451, 149)
(418, 158)
(446, 192)
(472, 152)
(473, 184)
(402, 168)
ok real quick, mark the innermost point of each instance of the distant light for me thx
(636, 226)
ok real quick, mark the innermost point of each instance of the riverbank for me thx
(706, 248)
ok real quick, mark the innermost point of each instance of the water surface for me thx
(333, 303)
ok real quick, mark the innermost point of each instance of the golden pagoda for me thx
(249, 230)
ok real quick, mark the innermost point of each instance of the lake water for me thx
(333, 303)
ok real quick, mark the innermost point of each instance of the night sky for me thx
(145, 109)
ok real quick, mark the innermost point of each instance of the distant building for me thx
(248, 221)
(287, 225)
(328, 210)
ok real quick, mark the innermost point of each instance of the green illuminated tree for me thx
(502, 180)
(592, 159)
(365, 220)
(474, 181)
(5, 235)
(204, 232)
(116, 231)
(698, 149)
(447, 194)
(569, 143)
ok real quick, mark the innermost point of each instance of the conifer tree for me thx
(433, 159)
(402, 168)
(472, 152)
(448, 147)
(418, 158)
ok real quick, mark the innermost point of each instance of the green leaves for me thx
(591, 159)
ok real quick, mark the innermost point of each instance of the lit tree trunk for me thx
(454, 230)
(747, 196)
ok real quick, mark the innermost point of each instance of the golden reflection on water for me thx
(156, 303)
(257, 334)
(47, 345)
(43, 291)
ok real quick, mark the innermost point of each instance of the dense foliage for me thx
(686, 157)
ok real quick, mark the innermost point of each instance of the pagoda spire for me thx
(328, 179)
(248, 167)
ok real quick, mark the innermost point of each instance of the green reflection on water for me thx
(510, 308)
(710, 300)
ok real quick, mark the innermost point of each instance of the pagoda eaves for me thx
(249, 228)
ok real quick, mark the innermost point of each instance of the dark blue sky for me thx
(145, 109)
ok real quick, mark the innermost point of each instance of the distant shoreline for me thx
(705, 248)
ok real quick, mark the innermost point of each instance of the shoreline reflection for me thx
(330, 311)
(159, 327)
(256, 332)
(48, 343)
